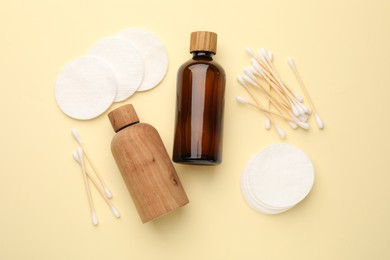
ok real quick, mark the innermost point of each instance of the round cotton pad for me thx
(85, 88)
(252, 201)
(277, 178)
(153, 55)
(126, 63)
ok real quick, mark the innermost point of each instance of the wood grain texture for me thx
(203, 41)
(147, 171)
(122, 117)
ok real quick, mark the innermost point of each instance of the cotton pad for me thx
(153, 55)
(251, 200)
(126, 62)
(255, 203)
(277, 178)
(85, 88)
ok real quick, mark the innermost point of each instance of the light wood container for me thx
(145, 165)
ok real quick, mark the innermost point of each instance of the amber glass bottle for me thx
(200, 104)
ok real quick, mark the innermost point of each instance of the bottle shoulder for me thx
(193, 63)
(140, 129)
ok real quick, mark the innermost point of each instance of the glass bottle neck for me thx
(202, 55)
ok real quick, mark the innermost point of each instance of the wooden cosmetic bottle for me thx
(145, 165)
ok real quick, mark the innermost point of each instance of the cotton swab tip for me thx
(94, 218)
(294, 110)
(265, 55)
(291, 62)
(304, 125)
(261, 56)
(241, 81)
(319, 121)
(107, 192)
(300, 109)
(76, 135)
(303, 118)
(241, 100)
(115, 211)
(76, 157)
(280, 131)
(254, 71)
(249, 73)
(299, 98)
(267, 123)
(270, 56)
(293, 125)
(264, 52)
(250, 52)
(306, 109)
(80, 153)
(258, 68)
(249, 80)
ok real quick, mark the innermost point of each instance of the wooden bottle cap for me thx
(122, 117)
(203, 41)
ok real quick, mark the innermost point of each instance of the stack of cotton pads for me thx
(277, 178)
(112, 71)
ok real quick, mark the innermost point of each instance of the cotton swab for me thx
(101, 191)
(288, 104)
(105, 187)
(267, 63)
(274, 99)
(250, 52)
(267, 123)
(263, 62)
(280, 131)
(249, 76)
(294, 99)
(250, 71)
(90, 201)
(271, 57)
(319, 121)
(242, 80)
(268, 78)
(267, 115)
(291, 119)
(244, 101)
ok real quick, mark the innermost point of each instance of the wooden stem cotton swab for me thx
(270, 55)
(269, 119)
(278, 104)
(105, 187)
(279, 130)
(319, 121)
(242, 80)
(267, 115)
(86, 184)
(293, 99)
(287, 103)
(244, 101)
(114, 210)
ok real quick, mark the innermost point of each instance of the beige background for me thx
(342, 51)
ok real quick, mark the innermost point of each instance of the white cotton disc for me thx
(85, 88)
(252, 201)
(153, 55)
(126, 62)
(277, 178)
